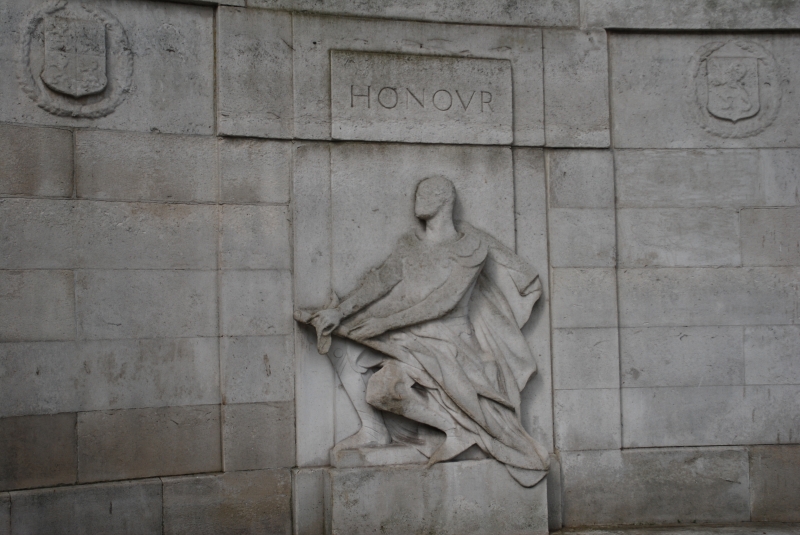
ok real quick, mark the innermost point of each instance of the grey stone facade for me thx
(152, 378)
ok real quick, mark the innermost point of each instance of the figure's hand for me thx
(326, 320)
(369, 328)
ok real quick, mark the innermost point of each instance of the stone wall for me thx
(152, 379)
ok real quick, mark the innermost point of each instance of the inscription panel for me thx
(427, 99)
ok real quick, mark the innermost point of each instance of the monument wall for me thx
(175, 188)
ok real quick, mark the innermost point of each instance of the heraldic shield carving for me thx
(75, 59)
(736, 91)
(75, 56)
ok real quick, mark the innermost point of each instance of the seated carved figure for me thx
(442, 360)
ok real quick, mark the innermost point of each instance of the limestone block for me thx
(711, 178)
(241, 502)
(256, 303)
(775, 483)
(771, 237)
(38, 451)
(146, 304)
(682, 356)
(771, 355)
(254, 171)
(581, 237)
(667, 486)
(584, 297)
(150, 167)
(258, 435)
(678, 237)
(171, 86)
(587, 419)
(55, 377)
(5, 513)
(576, 88)
(468, 497)
(47, 234)
(315, 37)
(686, 107)
(772, 414)
(585, 358)
(554, 490)
(254, 73)
(691, 15)
(257, 368)
(707, 296)
(420, 99)
(127, 508)
(255, 237)
(37, 305)
(525, 13)
(580, 178)
(35, 161)
(308, 509)
(136, 443)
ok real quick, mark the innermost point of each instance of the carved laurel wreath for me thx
(119, 79)
(769, 93)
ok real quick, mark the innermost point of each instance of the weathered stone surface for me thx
(682, 356)
(678, 237)
(35, 161)
(314, 37)
(710, 415)
(394, 454)
(55, 377)
(707, 296)
(576, 88)
(710, 178)
(241, 502)
(38, 451)
(37, 305)
(691, 15)
(149, 167)
(584, 297)
(5, 513)
(775, 483)
(127, 508)
(254, 73)
(258, 435)
(526, 13)
(170, 43)
(739, 528)
(308, 507)
(771, 237)
(587, 419)
(585, 358)
(581, 237)
(60, 234)
(420, 99)
(580, 178)
(369, 215)
(145, 303)
(448, 498)
(256, 303)
(255, 237)
(257, 368)
(554, 491)
(771, 355)
(655, 486)
(136, 443)
(676, 66)
(254, 171)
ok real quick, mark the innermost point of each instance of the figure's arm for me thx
(523, 274)
(374, 285)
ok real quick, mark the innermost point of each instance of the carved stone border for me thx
(120, 58)
(698, 93)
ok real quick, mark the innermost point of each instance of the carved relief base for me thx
(455, 498)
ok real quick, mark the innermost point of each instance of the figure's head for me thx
(433, 194)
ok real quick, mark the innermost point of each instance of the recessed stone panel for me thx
(397, 97)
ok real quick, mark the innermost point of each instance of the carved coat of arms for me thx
(735, 92)
(75, 56)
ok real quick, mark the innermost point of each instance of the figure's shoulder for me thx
(407, 241)
(471, 248)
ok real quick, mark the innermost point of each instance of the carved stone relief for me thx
(429, 349)
(735, 90)
(75, 60)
